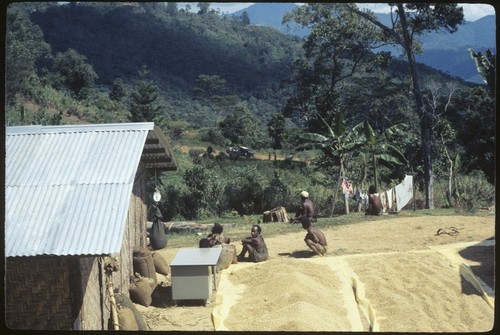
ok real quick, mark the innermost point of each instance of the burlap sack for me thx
(143, 263)
(140, 252)
(161, 264)
(235, 254)
(151, 282)
(124, 300)
(226, 257)
(140, 292)
(126, 319)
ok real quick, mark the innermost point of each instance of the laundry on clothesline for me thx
(394, 199)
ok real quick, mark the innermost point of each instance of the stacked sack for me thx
(143, 283)
(143, 263)
(146, 265)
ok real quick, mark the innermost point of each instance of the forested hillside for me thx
(118, 38)
(212, 81)
(175, 46)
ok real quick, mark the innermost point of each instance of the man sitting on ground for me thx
(255, 246)
(374, 203)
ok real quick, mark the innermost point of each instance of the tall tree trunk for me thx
(425, 117)
(375, 171)
(338, 186)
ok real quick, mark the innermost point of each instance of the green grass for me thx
(238, 227)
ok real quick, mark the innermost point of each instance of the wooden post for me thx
(110, 266)
(114, 312)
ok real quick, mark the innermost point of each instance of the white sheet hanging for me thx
(404, 192)
(388, 196)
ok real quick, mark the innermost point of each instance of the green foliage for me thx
(24, 50)
(276, 130)
(476, 129)
(234, 88)
(246, 191)
(203, 6)
(172, 8)
(248, 187)
(143, 107)
(118, 90)
(381, 151)
(337, 47)
(239, 127)
(245, 19)
(486, 66)
(473, 192)
(278, 192)
(215, 136)
(176, 49)
(73, 71)
(101, 109)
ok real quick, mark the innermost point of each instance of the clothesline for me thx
(393, 200)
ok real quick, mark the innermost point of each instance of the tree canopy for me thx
(213, 80)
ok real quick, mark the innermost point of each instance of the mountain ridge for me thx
(443, 51)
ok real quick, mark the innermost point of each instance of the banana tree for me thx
(485, 65)
(336, 147)
(380, 150)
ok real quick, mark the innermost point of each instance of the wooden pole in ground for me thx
(109, 267)
(114, 312)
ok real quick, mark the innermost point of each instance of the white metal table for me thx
(190, 273)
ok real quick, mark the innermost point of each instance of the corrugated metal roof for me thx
(68, 188)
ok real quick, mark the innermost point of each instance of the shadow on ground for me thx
(484, 257)
(297, 254)
(162, 297)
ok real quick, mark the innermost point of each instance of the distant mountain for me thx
(271, 14)
(442, 51)
(449, 52)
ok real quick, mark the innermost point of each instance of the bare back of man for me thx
(316, 241)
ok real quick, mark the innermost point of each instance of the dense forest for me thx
(330, 100)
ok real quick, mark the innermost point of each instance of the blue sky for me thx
(472, 12)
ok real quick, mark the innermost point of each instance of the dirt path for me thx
(388, 275)
(186, 149)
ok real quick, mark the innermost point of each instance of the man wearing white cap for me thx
(307, 209)
(315, 239)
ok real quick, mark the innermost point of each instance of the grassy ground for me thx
(238, 227)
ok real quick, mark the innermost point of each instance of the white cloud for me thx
(472, 11)
(230, 7)
(475, 11)
(225, 7)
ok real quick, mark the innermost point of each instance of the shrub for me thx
(473, 192)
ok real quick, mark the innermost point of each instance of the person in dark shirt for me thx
(216, 237)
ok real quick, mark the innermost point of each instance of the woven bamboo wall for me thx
(37, 294)
(135, 232)
(91, 316)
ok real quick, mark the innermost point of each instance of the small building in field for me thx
(75, 199)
